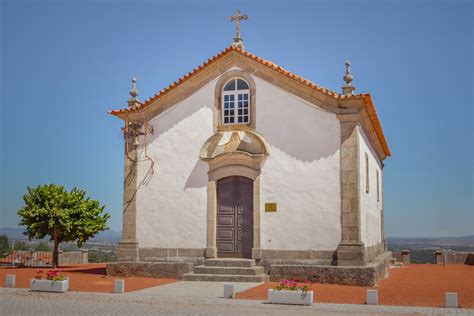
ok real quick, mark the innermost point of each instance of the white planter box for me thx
(49, 286)
(290, 297)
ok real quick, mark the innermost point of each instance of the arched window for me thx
(235, 102)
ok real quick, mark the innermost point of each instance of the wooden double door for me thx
(235, 217)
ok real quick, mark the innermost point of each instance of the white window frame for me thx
(235, 93)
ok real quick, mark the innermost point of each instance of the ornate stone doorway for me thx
(234, 217)
(235, 159)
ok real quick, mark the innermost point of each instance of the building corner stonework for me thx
(128, 248)
(351, 250)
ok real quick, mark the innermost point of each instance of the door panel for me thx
(235, 217)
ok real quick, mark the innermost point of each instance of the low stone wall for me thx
(402, 256)
(367, 275)
(173, 270)
(454, 257)
(45, 258)
(73, 257)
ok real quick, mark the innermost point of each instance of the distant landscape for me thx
(102, 247)
(422, 249)
(105, 236)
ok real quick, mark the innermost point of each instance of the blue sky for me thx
(64, 64)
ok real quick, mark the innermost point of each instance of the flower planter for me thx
(290, 297)
(49, 285)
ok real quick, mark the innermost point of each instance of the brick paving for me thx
(24, 302)
(84, 278)
(411, 285)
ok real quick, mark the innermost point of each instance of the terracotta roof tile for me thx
(365, 97)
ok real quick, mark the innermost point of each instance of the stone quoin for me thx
(251, 166)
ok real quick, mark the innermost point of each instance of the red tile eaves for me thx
(372, 112)
(366, 97)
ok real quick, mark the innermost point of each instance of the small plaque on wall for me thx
(270, 207)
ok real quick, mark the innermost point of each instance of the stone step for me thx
(228, 270)
(225, 277)
(230, 262)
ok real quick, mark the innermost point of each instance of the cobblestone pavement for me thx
(24, 302)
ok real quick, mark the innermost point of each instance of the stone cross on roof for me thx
(237, 17)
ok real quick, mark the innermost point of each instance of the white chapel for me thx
(243, 164)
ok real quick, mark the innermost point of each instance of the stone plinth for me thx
(351, 254)
(367, 275)
(402, 256)
(127, 251)
(119, 286)
(452, 300)
(372, 297)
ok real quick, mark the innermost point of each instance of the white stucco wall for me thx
(172, 206)
(369, 206)
(301, 174)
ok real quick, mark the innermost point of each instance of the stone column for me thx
(382, 217)
(256, 250)
(127, 250)
(382, 231)
(406, 256)
(351, 251)
(211, 247)
(85, 256)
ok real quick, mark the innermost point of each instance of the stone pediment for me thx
(246, 143)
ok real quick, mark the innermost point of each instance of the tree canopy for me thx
(20, 245)
(4, 246)
(42, 246)
(65, 216)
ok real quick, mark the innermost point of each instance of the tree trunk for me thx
(56, 249)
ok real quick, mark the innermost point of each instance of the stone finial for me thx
(348, 88)
(238, 42)
(133, 93)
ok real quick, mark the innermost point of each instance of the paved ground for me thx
(412, 285)
(415, 285)
(147, 302)
(193, 289)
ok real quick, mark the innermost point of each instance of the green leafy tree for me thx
(20, 246)
(4, 246)
(65, 216)
(42, 246)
